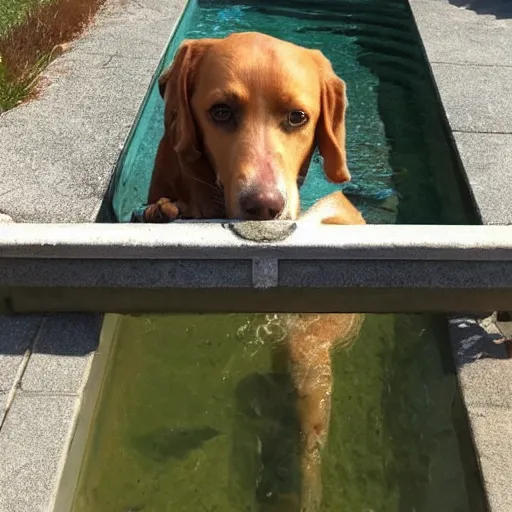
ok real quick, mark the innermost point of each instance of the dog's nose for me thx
(264, 204)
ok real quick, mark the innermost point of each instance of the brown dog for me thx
(243, 116)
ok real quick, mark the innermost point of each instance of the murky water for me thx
(193, 416)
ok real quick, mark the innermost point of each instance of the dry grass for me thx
(27, 47)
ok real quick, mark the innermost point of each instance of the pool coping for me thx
(75, 457)
(139, 268)
(482, 141)
(466, 46)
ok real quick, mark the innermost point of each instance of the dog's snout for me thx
(262, 204)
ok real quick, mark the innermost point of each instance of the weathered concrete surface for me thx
(16, 336)
(63, 147)
(492, 430)
(62, 354)
(3, 403)
(462, 36)
(476, 98)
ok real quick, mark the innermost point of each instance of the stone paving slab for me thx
(476, 98)
(472, 38)
(487, 382)
(62, 354)
(33, 444)
(40, 146)
(110, 38)
(487, 157)
(492, 432)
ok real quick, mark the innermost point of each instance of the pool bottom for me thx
(192, 418)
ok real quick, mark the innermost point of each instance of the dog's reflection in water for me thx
(283, 417)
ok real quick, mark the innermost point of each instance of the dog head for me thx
(254, 108)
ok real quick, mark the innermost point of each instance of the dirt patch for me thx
(29, 46)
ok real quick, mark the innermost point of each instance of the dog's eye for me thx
(221, 113)
(297, 118)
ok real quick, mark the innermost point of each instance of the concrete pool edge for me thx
(465, 46)
(75, 458)
(376, 269)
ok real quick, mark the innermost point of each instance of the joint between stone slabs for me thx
(470, 64)
(48, 394)
(476, 132)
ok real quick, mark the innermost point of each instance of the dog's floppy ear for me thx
(330, 129)
(176, 86)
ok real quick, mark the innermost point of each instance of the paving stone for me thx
(487, 160)
(464, 36)
(476, 98)
(16, 335)
(33, 445)
(3, 403)
(492, 432)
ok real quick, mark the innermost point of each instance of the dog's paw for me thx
(164, 210)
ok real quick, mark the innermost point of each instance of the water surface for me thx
(191, 410)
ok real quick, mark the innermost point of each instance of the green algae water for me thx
(192, 416)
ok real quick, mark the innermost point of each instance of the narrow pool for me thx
(191, 415)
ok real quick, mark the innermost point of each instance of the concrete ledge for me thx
(119, 268)
(217, 241)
